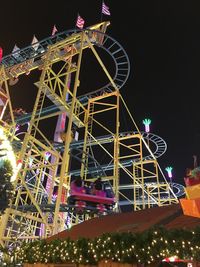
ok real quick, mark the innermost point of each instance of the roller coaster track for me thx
(159, 144)
(35, 59)
(160, 148)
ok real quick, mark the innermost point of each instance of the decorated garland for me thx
(151, 246)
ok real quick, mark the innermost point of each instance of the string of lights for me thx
(150, 246)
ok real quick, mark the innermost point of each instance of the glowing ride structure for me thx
(124, 159)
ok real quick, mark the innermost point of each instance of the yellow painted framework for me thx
(62, 60)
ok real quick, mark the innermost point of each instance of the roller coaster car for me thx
(88, 198)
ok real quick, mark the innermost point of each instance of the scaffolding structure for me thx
(39, 208)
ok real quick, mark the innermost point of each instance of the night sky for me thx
(162, 40)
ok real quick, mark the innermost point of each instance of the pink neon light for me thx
(147, 128)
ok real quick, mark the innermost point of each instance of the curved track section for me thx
(177, 188)
(160, 148)
(107, 43)
(160, 145)
(122, 64)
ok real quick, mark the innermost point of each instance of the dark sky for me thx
(162, 40)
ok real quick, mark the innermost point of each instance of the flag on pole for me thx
(15, 51)
(105, 9)
(35, 43)
(54, 31)
(80, 22)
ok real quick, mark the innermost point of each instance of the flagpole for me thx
(76, 27)
(101, 11)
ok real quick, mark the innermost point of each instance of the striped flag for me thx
(54, 31)
(105, 9)
(80, 22)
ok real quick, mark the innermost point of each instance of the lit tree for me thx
(146, 123)
(8, 171)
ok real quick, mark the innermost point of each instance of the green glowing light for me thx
(146, 122)
(169, 170)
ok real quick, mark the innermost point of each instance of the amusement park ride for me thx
(88, 142)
